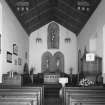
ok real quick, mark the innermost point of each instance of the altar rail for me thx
(84, 96)
(21, 96)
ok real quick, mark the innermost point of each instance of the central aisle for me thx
(51, 94)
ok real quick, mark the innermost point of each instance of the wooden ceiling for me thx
(64, 12)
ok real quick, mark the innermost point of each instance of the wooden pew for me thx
(21, 96)
(84, 96)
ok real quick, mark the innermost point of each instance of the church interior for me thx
(52, 52)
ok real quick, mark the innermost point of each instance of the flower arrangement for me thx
(85, 82)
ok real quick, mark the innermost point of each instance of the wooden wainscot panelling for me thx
(84, 96)
(21, 96)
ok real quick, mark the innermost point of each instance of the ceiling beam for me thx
(36, 10)
(63, 23)
(64, 3)
(36, 23)
(77, 17)
(68, 16)
(68, 19)
(38, 16)
(35, 6)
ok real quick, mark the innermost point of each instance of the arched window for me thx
(53, 36)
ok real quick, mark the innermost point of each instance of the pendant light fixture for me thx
(83, 5)
(22, 6)
(38, 38)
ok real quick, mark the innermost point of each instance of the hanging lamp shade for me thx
(22, 6)
(83, 5)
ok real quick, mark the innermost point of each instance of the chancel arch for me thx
(53, 36)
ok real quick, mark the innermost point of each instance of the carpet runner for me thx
(51, 95)
(52, 101)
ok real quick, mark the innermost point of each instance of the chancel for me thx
(59, 57)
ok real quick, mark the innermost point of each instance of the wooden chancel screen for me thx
(53, 36)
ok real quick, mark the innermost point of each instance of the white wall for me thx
(93, 30)
(12, 33)
(0, 40)
(0, 17)
(95, 27)
(104, 54)
(37, 49)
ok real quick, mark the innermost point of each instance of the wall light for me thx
(38, 40)
(67, 40)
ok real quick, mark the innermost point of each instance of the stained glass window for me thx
(53, 36)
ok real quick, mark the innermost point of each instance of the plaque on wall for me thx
(15, 49)
(9, 57)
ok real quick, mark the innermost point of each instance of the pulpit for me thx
(63, 81)
(91, 69)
